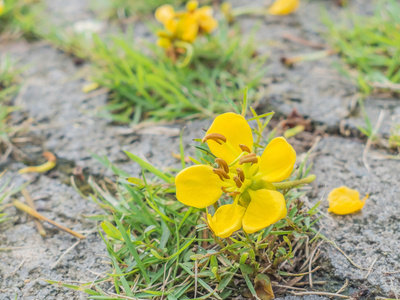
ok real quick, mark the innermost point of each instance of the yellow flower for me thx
(241, 174)
(284, 7)
(343, 201)
(186, 25)
(1, 6)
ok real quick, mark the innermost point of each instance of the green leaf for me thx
(149, 167)
(246, 269)
(111, 230)
(132, 249)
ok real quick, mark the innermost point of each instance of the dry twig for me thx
(30, 202)
(34, 213)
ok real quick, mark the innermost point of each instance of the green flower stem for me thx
(189, 53)
(291, 184)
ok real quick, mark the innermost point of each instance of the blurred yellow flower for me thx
(343, 201)
(283, 7)
(186, 25)
(1, 6)
(241, 174)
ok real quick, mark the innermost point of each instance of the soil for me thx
(67, 123)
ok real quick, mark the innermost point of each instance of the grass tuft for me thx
(152, 86)
(122, 9)
(162, 249)
(370, 45)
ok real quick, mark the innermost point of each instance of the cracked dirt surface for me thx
(67, 124)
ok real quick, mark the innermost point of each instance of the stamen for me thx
(240, 174)
(244, 148)
(222, 164)
(216, 137)
(224, 190)
(237, 181)
(250, 158)
(221, 173)
(233, 194)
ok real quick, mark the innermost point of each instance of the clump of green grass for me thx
(9, 75)
(6, 191)
(9, 85)
(370, 45)
(124, 9)
(9, 19)
(161, 249)
(3, 194)
(152, 86)
(394, 138)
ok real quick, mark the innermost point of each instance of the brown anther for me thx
(222, 164)
(250, 158)
(233, 194)
(240, 174)
(237, 181)
(224, 190)
(221, 173)
(245, 148)
(216, 137)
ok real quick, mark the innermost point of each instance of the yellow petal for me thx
(192, 5)
(198, 186)
(205, 17)
(277, 161)
(204, 11)
(236, 130)
(164, 13)
(226, 220)
(266, 207)
(172, 26)
(1, 6)
(164, 42)
(343, 201)
(284, 7)
(208, 25)
(188, 28)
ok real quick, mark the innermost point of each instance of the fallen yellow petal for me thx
(50, 164)
(90, 87)
(284, 7)
(343, 201)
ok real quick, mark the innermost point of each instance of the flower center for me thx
(238, 177)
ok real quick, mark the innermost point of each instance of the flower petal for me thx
(343, 201)
(226, 220)
(284, 7)
(236, 130)
(266, 207)
(164, 13)
(206, 20)
(277, 161)
(188, 28)
(198, 186)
